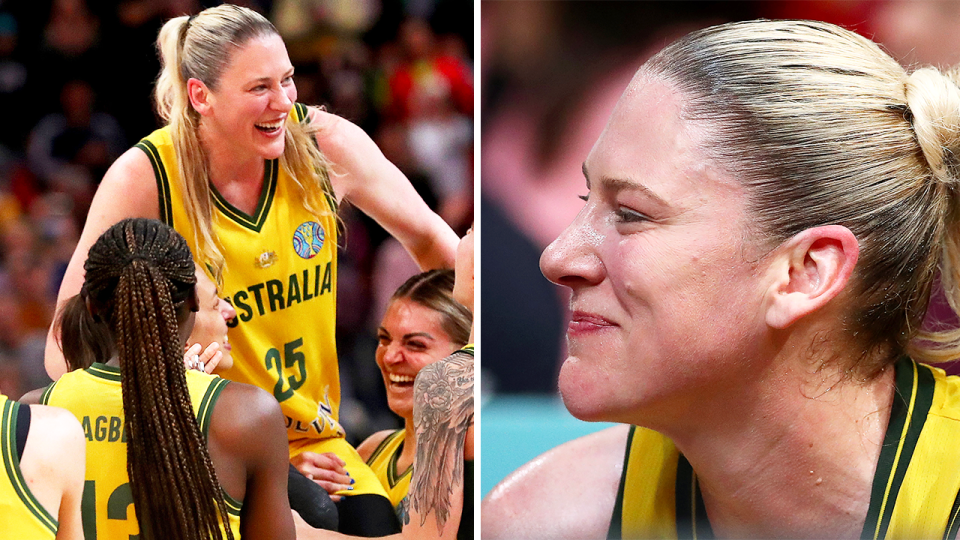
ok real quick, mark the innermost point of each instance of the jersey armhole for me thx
(164, 202)
(23, 428)
(205, 411)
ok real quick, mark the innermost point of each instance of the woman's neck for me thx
(226, 167)
(409, 449)
(792, 454)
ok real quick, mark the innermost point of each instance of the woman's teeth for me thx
(269, 127)
(394, 378)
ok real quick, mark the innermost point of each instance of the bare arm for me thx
(53, 464)
(127, 190)
(32, 397)
(248, 444)
(442, 415)
(366, 179)
(548, 497)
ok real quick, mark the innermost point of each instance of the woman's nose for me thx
(572, 260)
(227, 311)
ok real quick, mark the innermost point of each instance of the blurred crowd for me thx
(551, 74)
(76, 78)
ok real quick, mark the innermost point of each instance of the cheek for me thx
(291, 92)
(379, 356)
(420, 360)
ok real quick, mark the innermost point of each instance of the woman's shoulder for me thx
(371, 443)
(131, 179)
(567, 492)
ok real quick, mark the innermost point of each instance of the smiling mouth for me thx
(584, 323)
(402, 380)
(269, 128)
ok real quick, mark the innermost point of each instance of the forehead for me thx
(406, 315)
(648, 141)
(205, 286)
(259, 56)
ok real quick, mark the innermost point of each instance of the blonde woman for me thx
(768, 209)
(253, 180)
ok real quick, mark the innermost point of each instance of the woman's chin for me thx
(584, 397)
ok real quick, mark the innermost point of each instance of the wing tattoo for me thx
(442, 413)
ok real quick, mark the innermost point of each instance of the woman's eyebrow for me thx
(619, 184)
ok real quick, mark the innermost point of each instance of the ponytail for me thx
(140, 274)
(933, 100)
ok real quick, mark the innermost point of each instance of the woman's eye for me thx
(416, 345)
(383, 339)
(626, 215)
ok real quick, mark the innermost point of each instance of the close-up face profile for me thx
(411, 336)
(664, 296)
(250, 103)
(210, 325)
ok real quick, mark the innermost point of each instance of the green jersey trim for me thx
(163, 183)
(271, 169)
(11, 462)
(205, 411)
(616, 523)
(103, 371)
(911, 403)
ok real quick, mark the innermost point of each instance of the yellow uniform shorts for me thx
(366, 482)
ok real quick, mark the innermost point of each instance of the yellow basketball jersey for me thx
(915, 489)
(94, 396)
(383, 462)
(281, 276)
(21, 515)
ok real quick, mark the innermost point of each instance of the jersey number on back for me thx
(119, 503)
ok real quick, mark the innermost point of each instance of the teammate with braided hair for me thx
(190, 452)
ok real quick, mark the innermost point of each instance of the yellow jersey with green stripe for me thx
(916, 489)
(21, 515)
(94, 396)
(383, 462)
(281, 276)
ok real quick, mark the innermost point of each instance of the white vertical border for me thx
(477, 265)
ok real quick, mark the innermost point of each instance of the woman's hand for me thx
(327, 470)
(207, 361)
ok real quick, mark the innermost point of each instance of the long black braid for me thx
(139, 274)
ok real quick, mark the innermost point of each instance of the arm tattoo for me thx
(442, 413)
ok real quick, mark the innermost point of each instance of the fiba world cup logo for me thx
(308, 239)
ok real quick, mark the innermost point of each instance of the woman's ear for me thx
(200, 96)
(809, 270)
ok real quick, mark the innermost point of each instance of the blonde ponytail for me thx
(933, 99)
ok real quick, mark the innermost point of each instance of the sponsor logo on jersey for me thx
(308, 239)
